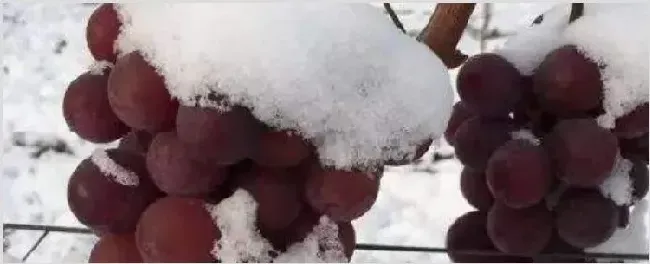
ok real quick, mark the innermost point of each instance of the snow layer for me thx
(322, 245)
(618, 186)
(353, 84)
(112, 170)
(606, 34)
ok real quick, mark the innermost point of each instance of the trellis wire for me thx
(360, 246)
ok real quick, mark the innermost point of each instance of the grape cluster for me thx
(534, 158)
(147, 198)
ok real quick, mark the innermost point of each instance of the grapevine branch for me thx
(442, 33)
(394, 17)
(359, 246)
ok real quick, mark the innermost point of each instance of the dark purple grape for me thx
(136, 141)
(225, 137)
(459, 114)
(582, 152)
(477, 138)
(175, 172)
(568, 84)
(278, 198)
(523, 231)
(635, 148)
(115, 248)
(473, 187)
(341, 195)
(639, 177)
(469, 232)
(519, 174)
(102, 31)
(110, 190)
(138, 95)
(584, 218)
(87, 112)
(557, 245)
(489, 85)
(281, 149)
(633, 124)
(176, 229)
(295, 232)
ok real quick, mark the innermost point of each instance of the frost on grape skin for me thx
(112, 170)
(365, 85)
(603, 35)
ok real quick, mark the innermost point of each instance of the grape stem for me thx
(394, 17)
(577, 10)
(442, 33)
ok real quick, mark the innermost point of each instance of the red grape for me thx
(176, 229)
(635, 148)
(281, 149)
(115, 248)
(520, 231)
(584, 218)
(633, 124)
(87, 112)
(468, 232)
(136, 141)
(138, 95)
(519, 174)
(489, 85)
(230, 136)
(477, 138)
(175, 172)
(341, 195)
(296, 232)
(567, 83)
(278, 198)
(459, 114)
(639, 177)
(473, 187)
(99, 200)
(582, 152)
(102, 31)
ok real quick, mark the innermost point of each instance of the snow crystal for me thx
(240, 240)
(322, 245)
(611, 39)
(351, 84)
(618, 186)
(112, 170)
(529, 47)
(605, 35)
(525, 134)
(98, 67)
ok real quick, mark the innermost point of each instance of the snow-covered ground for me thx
(44, 48)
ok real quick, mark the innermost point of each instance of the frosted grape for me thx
(460, 113)
(473, 187)
(102, 31)
(568, 84)
(115, 248)
(281, 149)
(519, 174)
(138, 95)
(582, 152)
(136, 141)
(523, 231)
(176, 229)
(87, 112)
(477, 138)
(489, 85)
(584, 218)
(633, 124)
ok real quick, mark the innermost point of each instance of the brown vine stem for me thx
(442, 33)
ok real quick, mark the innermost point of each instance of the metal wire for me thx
(360, 246)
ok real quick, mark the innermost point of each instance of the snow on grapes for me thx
(355, 86)
(113, 170)
(603, 34)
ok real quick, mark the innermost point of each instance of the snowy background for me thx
(44, 49)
